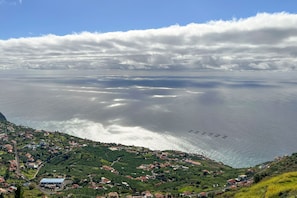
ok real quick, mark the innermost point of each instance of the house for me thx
(193, 162)
(12, 189)
(113, 148)
(147, 194)
(28, 155)
(52, 183)
(105, 180)
(3, 136)
(242, 178)
(3, 191)
(109, 168)
(9, 148)
(2, 180)
(159, 195)
(32, 165)
(202, 195)
(206, 172)
(113, 195)
(231, 182)
(13, 165)
(75, 186)
(142, 178)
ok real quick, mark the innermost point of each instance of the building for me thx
(147, 194)
(113, 195)
(242, 178)
(52, 183)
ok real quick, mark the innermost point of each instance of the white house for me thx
(52, 182)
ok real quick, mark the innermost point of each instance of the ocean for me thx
(239, 118)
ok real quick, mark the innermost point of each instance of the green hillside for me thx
(91, 169)
(94, 168)
(279, 165)
(283, 185)
(277, 178)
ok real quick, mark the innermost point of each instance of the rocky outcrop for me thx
(2, 117)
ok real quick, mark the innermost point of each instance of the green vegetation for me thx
(276, 167)
(283, 185)
(92, 168)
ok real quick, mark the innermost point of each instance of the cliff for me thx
(2, 117)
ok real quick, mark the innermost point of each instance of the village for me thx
(25, 152)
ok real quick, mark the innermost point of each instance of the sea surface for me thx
(239, 118)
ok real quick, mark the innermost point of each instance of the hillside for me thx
(93, 168)
(2, 117)
(274, 179)
(97, 169)
(283, 185)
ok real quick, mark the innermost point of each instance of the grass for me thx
(32, 193)
(188, 189)
(283, 185)
(29, 173)
(2, 170)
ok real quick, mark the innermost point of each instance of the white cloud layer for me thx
(263, 42)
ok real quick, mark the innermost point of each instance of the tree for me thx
(32, 186)
(7, 174)
(19, 192)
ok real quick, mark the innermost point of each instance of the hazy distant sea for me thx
(239, 118)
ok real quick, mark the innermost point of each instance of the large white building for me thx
(52, 182)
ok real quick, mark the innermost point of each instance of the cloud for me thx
(262, 42)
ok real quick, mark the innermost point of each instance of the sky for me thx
(23, 18)
(42, 34)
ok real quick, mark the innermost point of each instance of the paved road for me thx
(16, 157)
